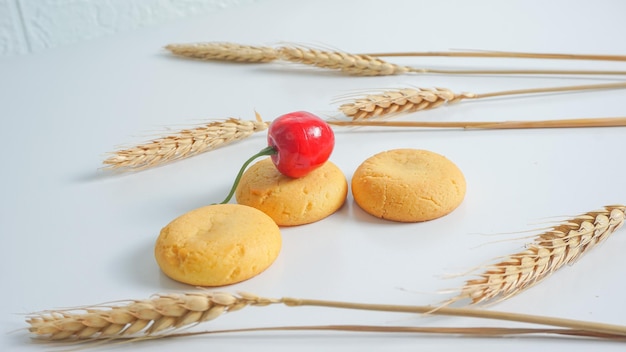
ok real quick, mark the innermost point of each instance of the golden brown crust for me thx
(218, 245)
(408, 185)
(293, 201)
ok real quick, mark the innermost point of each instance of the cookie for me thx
(218, 245)
(293, 201)
(408, 185)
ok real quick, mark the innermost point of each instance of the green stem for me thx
(265, 151)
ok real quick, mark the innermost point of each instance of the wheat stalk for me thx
(458, 331)
(480, 332)
(183, 144)
(255, 53)
(488, 125)
(551, 250)
(172, 147)
(416, 99)
(363, 64)
(503, 54)
(164, 315)
(189, 142)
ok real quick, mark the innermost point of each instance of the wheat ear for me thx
(164, 315)
(352, 64)
(359, 65)
(148, 317)
(181, 145)
(185, 143)
(224, 52)
(416, 99)
(401, 101)
(551, 250)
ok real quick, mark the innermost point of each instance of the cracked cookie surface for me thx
(408, 185)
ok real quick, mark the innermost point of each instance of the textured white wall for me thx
(33, 25)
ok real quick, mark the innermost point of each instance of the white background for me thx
(73, 234)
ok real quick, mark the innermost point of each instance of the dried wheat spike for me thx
(151, 317)
(411, 100)
(360, 65)
(402, 100)
(563, 244)
(163, 316)
(224, 52)
(183, 144)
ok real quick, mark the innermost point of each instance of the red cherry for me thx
(298, 143)
(303, 142)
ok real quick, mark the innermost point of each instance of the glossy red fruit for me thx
(302, 141)
(298, 143)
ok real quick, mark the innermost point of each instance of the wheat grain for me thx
(360, 65)
(401, 101)
(562, 244)
(183, 144)
(408, 100)
(224, 52)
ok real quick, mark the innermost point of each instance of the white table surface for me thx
(75, 235)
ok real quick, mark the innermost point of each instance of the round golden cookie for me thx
(408, 185)
(293, 201)
(218, 245)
